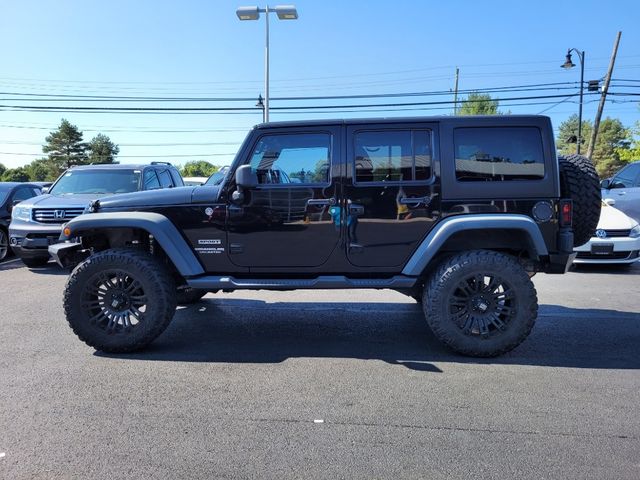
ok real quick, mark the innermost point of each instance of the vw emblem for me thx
(601, 233)
(58, 214)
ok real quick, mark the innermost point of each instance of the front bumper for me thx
(32, 240)
(623, 250)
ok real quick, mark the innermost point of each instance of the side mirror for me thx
(45, 190)
(605, 184)
(245, 177)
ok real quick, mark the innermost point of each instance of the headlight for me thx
(21, 213)
(635, 232)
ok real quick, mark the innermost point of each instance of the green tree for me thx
(479, 104)
(65, 147)
(41, 170)
(2, 169)
(102, 149)
(198, 168)
(632, 153)
(568, 135)
(612, 138)
(15, 175)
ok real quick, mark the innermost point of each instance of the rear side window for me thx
(392, 156)
(498, 154)
(165, 179)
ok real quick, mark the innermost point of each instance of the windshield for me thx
(216, 178)
(97, 182)
(3, 196)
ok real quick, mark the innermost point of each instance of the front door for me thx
(286, 221)
(391, 198)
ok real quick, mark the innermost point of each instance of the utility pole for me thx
(455, 94)
(603, 98)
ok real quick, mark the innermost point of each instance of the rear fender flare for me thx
(437, 237)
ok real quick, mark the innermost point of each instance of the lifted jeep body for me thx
(457, 212)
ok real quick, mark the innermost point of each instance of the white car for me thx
(617, 240)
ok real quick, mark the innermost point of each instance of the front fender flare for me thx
(451, 225)
(163, 230)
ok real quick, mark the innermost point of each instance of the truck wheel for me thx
(119, 300)
(188, 295)
(4, 244)
(35, 261)
(579, 181)
(480, 303)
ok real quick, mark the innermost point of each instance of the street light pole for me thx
(284, 12)
(567, 65)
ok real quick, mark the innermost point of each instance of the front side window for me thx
(97, 181)
(151, 181)
(392, 156)
(489, 154)
(302, 158)
(626, 178)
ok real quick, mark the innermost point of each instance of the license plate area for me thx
(602, 249)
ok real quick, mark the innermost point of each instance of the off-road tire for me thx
(188, 295)
(123, 281)
(35, 262)
(501, 288)
(5, 250)
(579, 181)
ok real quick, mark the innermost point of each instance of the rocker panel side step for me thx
(225, 282)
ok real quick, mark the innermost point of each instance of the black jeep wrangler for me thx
(457, 212)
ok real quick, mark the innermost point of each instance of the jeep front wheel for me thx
(480, 303)
(119, 300)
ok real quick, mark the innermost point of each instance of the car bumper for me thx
(32, 240)
(614, 250)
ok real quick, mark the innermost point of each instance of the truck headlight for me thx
(21, 213)
(635, 232)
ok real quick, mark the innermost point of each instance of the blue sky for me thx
(200, 49)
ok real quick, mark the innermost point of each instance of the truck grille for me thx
(56, 215)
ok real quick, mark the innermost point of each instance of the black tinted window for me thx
(97, 181)
(496, 154)
(151, 180)
(23, 193)
(302, 158)
(177, 179)
(392, 156)
(165, 178)
(627, 176)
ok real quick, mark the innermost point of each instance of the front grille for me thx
(609, 256)
(618, 233)
(55, 215)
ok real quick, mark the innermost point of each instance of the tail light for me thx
(566, 213)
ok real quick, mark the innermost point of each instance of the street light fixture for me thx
(567, 65)
(284, 12)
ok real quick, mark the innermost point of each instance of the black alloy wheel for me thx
(4, 244)
(119, 300)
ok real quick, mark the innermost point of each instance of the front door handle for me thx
(415, 201)
(321, 202)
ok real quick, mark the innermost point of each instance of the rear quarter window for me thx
(496, 154)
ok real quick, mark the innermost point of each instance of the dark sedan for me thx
(12, 193)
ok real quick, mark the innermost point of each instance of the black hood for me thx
(165, 196)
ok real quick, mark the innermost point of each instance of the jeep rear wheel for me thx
(119, 300)
(480, 303)
(579, 181)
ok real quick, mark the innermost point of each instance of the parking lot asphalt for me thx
(322, 384)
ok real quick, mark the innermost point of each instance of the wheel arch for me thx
(116, 228)
(489, 231)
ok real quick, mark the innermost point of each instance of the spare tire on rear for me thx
(579, 181)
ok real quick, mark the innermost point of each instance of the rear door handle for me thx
(321, 202)
(356, 210)
(415, 201)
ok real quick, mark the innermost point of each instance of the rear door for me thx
(285, 221)
(391, 197)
